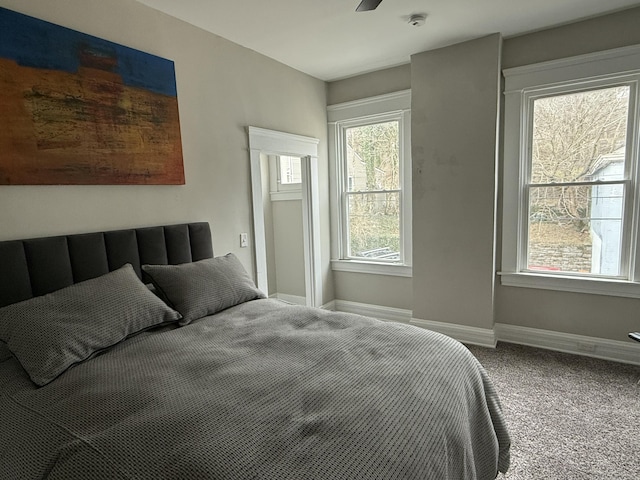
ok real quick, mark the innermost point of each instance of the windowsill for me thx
(593, 286)
(375, 268)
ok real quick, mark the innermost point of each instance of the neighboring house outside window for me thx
(571, 191)
(369, 143)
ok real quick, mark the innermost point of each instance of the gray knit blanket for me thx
(260, 391)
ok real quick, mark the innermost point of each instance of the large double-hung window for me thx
(571, 191)
(370, 148)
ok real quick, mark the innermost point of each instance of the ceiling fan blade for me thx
(366, 5)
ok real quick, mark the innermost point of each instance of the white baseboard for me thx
(285, 297)
(478, 336)
(484, 337)
(615, 350)
(329, 305)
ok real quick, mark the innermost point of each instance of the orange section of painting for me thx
(85, 128)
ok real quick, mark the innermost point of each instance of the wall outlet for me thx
(244, 240)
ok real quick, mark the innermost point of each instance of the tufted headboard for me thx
(37, 266)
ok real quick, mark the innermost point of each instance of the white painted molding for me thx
(281, 143)
(293, 299)
(592, 286)
(286, 196)
(622, 60)
(615, 350)
(329, 306)
(389, 102)
(484, 337)
(270, 142)
(355, 266)
(462, 333)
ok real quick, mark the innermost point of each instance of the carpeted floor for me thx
(570, 417)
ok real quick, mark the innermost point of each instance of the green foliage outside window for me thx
(373, 171)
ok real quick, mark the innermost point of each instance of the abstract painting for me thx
(79, 110)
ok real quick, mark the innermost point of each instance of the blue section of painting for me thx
(39, 44)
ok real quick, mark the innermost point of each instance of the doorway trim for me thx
(272, 142)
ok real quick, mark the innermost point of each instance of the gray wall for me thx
(222, 88)
(268, 226)
(394, 292)
(389, 80)
(615, 30)
(289, 247)
(284, 239)
(454, 111)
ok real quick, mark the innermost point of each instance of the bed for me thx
(138, 354)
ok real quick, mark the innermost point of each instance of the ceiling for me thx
(329, 40)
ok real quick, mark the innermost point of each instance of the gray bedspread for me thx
(260, 391)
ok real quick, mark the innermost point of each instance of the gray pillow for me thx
(49, 334)
(204, 287)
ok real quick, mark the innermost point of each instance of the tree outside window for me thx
(576, 181)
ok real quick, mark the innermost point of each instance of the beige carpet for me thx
(570, 417)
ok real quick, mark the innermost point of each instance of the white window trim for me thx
(374, 268)
(356, 112)
(591, 69)
(270, 142)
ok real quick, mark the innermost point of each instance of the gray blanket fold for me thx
(260, 391)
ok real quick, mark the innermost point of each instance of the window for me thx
(289, 170)
(285, 178)
(571, 198)
(369, 142)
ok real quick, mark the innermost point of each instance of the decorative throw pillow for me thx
(204, 287)
(49, 334)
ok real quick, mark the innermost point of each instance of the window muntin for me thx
(577, 176)
(372, 193)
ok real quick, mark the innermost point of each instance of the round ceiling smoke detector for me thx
(417, 20)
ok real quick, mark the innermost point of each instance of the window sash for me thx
(622, 260)
(351, 172)
(345, 250)
(348, 220)
(629, 226)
